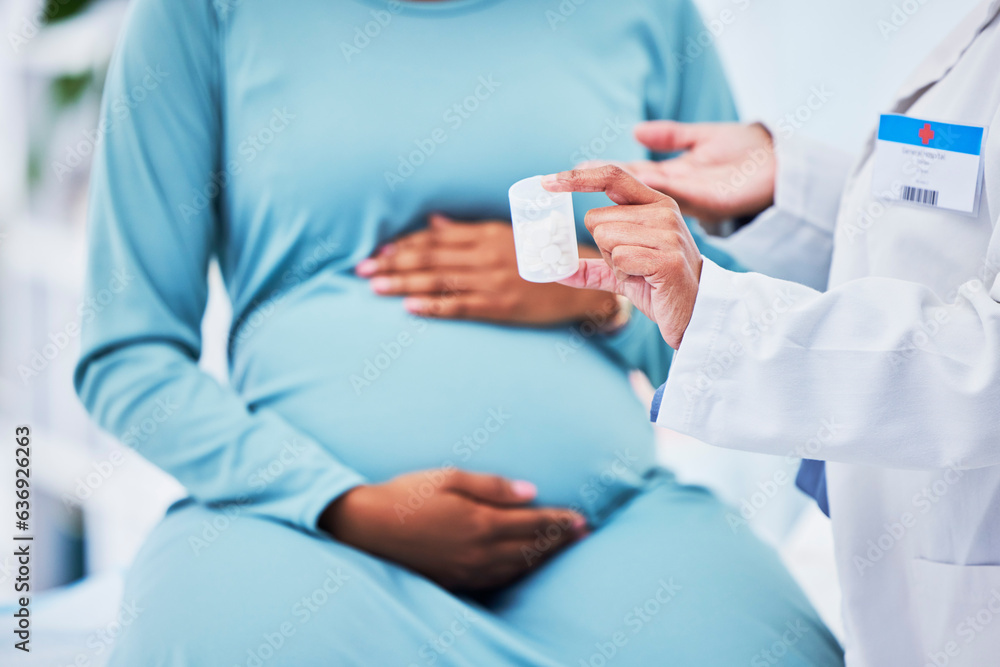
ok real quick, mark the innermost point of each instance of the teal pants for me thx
(666, 581)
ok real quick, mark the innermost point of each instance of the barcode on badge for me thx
(920, 196)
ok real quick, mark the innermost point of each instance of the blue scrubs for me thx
(290, 140)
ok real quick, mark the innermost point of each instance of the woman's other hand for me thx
(464, 531)
(724, 170)
(456, 270)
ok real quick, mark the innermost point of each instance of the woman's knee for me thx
(231, 586)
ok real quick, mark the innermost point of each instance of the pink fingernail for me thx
(579, 523)
(366, 267)
(523, 489)
(387, 250)
(551, 179)
(413, 305)
(381, 284)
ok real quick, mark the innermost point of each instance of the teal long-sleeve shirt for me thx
(288, 142)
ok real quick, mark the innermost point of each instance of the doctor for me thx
(873, 342)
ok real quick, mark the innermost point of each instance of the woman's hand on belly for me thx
(464, 531)
(456, 270)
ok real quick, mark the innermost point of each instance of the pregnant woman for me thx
(384, 487)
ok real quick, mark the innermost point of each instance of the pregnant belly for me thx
(389, 393)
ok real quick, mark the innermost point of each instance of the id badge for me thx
(929, 164)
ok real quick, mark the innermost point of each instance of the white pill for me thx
(551, 254)
(541, 235)
(557, 218)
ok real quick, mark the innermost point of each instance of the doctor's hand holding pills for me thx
(648, 252)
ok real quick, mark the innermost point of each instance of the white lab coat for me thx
(892, 374)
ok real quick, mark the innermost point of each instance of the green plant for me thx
(69, 88)
(60, 10)
(66, 92)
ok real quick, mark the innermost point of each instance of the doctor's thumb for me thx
(592, 274)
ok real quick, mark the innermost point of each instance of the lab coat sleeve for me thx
(689, 87)
(875, 372)
(152, 226)
(793, 239)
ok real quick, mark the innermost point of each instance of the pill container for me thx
(544, 232)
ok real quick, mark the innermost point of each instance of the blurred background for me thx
(824, 69)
